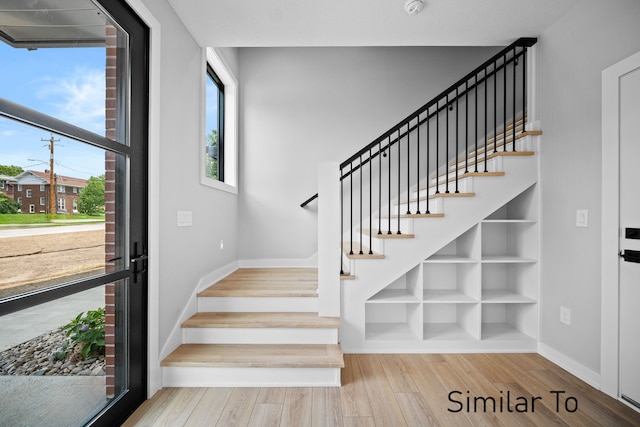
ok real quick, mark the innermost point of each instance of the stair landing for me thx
(257, 327)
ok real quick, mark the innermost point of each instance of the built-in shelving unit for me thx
(479, 292)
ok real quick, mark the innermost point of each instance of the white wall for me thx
(186, 253)
(301, 106)
(572, 53)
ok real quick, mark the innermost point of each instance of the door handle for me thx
(139, 262)
(630, 255)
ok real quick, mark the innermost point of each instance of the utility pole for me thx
(52, 184)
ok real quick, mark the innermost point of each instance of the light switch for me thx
(185, 218)
(582, 218)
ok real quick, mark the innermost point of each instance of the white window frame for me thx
(75, 190)
(61, 189)
(19, 187)
(19, 200)
(42, 201)
(75, 205)
(222, 70)
(1, 185)
(42, 187)
(32, 208)
(62, 204)
(28, 193)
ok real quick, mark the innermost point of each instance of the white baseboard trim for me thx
(311, 262)
(191, 307)
(585, 374)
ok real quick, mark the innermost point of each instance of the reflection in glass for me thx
(43, 377)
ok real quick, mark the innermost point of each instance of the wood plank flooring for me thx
(403, 390)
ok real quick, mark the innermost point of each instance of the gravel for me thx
(40, 356)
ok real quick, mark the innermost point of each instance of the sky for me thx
(66, 83)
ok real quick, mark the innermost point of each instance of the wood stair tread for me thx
(260, 320)
(385, 235)
(266, 282)
(462, 175)
(256, 356)
(346, 248)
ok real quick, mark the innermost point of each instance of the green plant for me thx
(87, 332)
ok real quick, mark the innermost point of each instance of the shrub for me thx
(87, 333)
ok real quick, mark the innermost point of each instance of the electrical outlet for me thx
(565, 316)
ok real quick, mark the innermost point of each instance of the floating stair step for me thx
(385, 235)
(491, 145)
(415, 215)
(347, 276)
(256, 356)
(443, 177)
(261, 320)
(498, 154)
(357, 248)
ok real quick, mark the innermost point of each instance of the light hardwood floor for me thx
(403, 390)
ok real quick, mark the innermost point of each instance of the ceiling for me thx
(51, 23)
(241, 23)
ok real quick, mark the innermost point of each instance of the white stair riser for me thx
(249, 377)
(259, 336)
(257, 304)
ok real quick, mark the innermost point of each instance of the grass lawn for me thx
(29, 219)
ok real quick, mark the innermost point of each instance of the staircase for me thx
(257, 327)
(438, 218)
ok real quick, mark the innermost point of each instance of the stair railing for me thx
(479, 114)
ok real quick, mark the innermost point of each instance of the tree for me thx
(8, 205)
(212, 154)
(91, 201)
(10, 170)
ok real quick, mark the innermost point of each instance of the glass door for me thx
(73, 212)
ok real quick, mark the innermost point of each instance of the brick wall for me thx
(110, 211)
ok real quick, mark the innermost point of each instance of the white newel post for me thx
(329, 255)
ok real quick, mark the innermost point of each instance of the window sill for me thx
(218, 185)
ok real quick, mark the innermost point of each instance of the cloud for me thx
(78, 98)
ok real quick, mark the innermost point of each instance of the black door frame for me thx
(136, 317)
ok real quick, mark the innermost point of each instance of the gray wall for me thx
(572, 53)
(186, 253)
(301, 106)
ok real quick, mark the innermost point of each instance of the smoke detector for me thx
(413, 6)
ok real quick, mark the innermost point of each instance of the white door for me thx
(629, 267)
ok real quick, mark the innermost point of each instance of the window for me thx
(214, 127)
(41, 201)
(19, 187)
(42, 187)
(219, 124)
(75, 190)
(75, 205)
(28, 193)
(61, 189)
(1, 185)
(19, 200)
(32, 208)
(62, 204)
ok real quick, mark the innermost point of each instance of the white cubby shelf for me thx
(478, 293)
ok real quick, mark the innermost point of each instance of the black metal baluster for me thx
(486, 120)
(446, 158)
(389, 148)
(504, 110)
(351, 209)
(408, 167)
(495, 106)
(437, 147)
(457, 148)
(379, 187)
(524, 88)
(341, 220)
(466, 127)
(361, 205)
(476, 114)
(418, 164)
(370, 202)
(513, 133)
(399, 175)
(428, 166)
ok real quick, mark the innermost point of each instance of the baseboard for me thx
(191, 307)
(311, 262)
(585, 374)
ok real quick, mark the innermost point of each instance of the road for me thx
(35, 231)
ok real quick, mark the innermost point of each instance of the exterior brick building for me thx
(31, 191)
